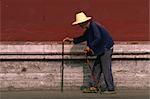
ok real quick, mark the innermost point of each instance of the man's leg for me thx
(95, 74)
(106, 69)
(96, 70)
(94, 78)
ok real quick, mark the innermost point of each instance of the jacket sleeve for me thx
(81, 38)
(97, 36)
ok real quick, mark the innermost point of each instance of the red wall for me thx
(50, 20)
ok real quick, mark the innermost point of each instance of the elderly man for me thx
(100, 43)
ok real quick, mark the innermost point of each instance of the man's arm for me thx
(80, 39)
(76, 40)
(97, 36)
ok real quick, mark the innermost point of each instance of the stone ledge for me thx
(57, 49)
(54, 51)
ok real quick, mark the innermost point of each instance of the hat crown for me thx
(81, 17)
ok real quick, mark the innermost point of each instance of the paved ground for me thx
(75, 94)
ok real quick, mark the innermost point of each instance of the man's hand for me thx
(67, 39)
(88, 51)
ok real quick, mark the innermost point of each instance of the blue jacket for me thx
(97, 37)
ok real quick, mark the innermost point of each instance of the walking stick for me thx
(90, 67)
(92, 74)
(93, 88)
(62, 69)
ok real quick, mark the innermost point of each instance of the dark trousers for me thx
(103, 65)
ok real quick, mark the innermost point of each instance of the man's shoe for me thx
(90, 90)
(108, 92)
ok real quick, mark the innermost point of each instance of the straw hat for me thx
(80, 18)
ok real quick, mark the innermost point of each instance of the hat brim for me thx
(77, 22)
